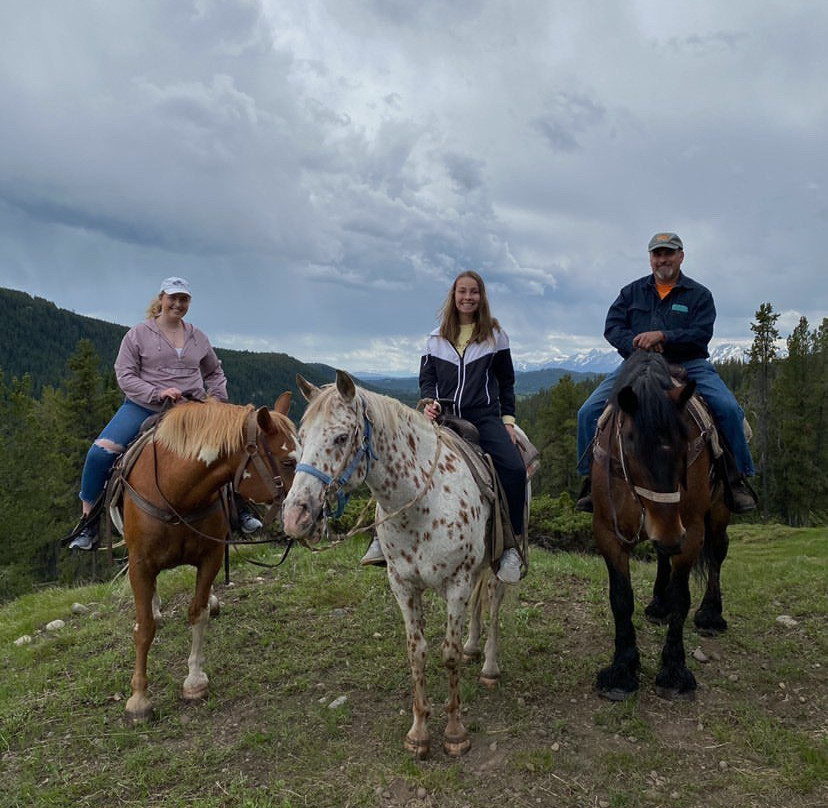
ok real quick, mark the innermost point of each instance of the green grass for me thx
(291, 640)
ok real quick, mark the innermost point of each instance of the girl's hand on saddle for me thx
(432, 410)
(171, 393)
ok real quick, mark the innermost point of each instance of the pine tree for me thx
(761, 356)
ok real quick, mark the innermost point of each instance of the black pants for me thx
(508, 463)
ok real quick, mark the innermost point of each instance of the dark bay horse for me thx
(652, 479)
(431, 523)
(173, 512)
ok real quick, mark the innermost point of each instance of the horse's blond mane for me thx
(188, 429)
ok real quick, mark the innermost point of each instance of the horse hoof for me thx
(710, 626)
(487, 680)
(656, 613)
(615, 694)
(456, 747)
(195, 695)
(674, 694)
(471, 656)
(137, 718)
(418, 748)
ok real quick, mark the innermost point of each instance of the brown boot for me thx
(742, 496)
(584, 503)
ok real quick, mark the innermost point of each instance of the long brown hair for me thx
(484, 323)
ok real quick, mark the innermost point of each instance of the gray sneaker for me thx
(87, 539)
(509, 569)
(373, 555)
(248, 522)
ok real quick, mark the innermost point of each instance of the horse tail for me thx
(480, 594)
(705, 560)
(713, 550)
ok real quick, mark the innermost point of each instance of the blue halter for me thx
(365, 450)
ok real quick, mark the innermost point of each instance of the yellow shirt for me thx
(463, 339)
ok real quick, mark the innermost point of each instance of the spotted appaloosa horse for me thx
(172, 513)
(431, 523)
(652, 479)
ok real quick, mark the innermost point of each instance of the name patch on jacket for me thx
(679, 307)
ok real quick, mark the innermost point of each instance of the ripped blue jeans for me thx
(117, 434)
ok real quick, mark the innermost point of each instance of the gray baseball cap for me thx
(668, 240)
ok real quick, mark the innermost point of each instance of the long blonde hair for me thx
(484, 323)
(154, 308)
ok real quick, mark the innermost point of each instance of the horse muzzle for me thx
(664, 528)
(298, 517)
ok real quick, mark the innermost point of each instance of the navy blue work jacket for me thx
(686, 316)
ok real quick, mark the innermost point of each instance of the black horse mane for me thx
(657, 419)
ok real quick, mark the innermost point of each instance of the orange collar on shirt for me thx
(663, 289)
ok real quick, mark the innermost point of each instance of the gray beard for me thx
(665, 275)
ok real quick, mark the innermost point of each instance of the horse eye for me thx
(341, 440)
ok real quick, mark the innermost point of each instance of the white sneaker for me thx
(509, 569)
(249, 523)
(373, 555)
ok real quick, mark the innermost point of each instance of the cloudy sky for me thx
(320, 170)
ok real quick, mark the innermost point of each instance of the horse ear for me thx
(264, 420)
(307, 389)
(681, 395)
(345, 385)
(628, 400)
(282, 404)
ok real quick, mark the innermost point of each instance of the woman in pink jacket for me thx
(161, 361)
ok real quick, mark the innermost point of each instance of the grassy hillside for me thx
(292, 640)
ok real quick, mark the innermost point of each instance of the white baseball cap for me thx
(175, 286)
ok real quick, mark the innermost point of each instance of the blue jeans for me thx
(120, 431)
(724, 408)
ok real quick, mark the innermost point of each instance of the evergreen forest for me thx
(57, 390)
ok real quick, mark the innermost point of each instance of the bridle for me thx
(667, 497)
(272, 474)
(335, 484)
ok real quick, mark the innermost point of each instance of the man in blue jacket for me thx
(674, 315)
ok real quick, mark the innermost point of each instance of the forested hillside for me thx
(37, 340)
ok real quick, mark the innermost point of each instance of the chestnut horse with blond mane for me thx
(173, 512)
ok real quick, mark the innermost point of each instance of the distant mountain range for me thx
(603, 361)
(532, 377)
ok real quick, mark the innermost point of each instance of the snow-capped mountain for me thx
(593, 361)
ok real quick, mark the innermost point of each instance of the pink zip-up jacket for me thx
(147, 364)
